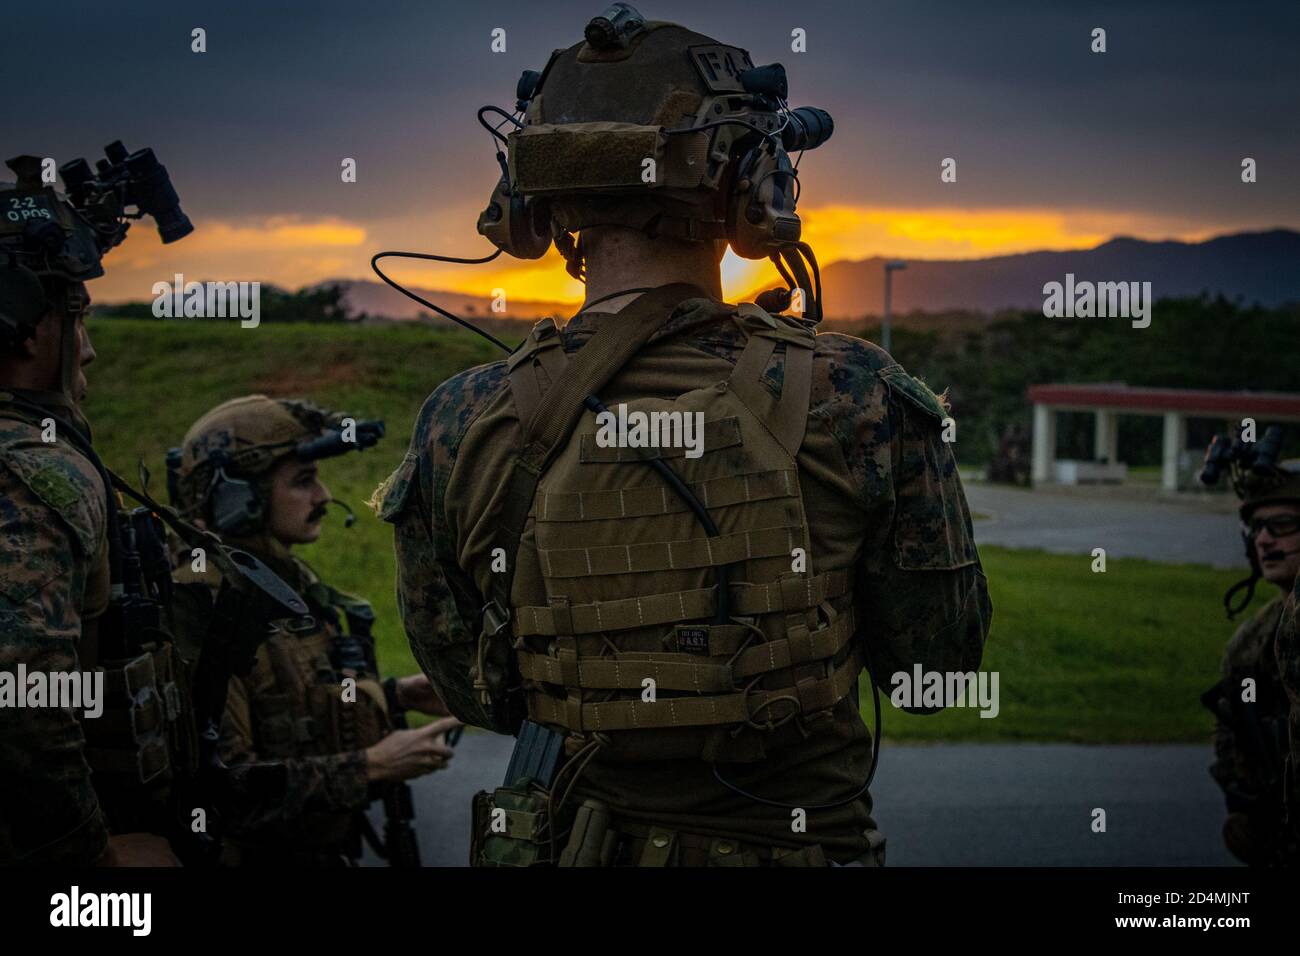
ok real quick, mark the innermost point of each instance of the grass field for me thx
(1120, 656)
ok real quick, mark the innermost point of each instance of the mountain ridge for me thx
(1254, 267)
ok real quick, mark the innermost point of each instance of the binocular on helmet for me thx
(1225, 452)
(43, 234)
(122, 179)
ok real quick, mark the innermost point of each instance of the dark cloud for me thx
(258, 124)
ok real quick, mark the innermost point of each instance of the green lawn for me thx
(1120, 656)
(1099, 658)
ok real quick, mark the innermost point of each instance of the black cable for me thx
(871, 770)
(769, 134)
(1248, 584)
(817, 275)
(780, 267)
(496, 130)
(425, 302)
(796, 264)
(722, 595)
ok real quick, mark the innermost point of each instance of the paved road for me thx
(959, 804)
(1075, 522)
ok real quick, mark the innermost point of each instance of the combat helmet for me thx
(652, 126)
(221, 471)
(1276, 485)
(50, 243)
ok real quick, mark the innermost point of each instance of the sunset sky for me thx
(1056, 147)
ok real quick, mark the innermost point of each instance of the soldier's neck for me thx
(269, 549)
(619, 259)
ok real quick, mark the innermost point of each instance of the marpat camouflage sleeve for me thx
(49, 813)
(334, 782)
(439, 603)
(923, 588)
(1247, 655)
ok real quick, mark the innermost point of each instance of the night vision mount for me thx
(1246, 462)
(43, 234)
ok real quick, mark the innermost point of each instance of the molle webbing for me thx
(655, 499)
(688, 671)
(650, 556)
(545, 423)
(741, 707)
(607, 531)
(796, 592)
(142, 729)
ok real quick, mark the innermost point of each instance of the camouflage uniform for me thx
(53, 584)
(1248, 741)
(281, 711)
(290, 708)
(1287, 654)
(881, 492)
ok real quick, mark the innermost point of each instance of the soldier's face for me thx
(1278, 553)
(85, 354)
(298, 502)
(45, 349)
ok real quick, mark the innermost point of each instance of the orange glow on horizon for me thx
(849, 233)
(293, 253)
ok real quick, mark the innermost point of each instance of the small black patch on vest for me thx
(693, 639)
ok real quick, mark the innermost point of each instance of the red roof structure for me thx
(1107, 400)
(1190, 401)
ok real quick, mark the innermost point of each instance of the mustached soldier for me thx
(1250, 703)
(683, 634)
(59, 557)
(247, 470)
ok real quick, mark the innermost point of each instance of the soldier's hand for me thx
(138, 849)
(416, 693)
(404, 754)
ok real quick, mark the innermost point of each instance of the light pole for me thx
(890, 268)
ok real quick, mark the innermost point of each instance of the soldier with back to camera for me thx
(660, 543)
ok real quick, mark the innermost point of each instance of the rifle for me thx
(1261, 739)
(251, 596)
(401, 847)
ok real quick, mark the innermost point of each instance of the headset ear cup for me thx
(514, 225)
(22, 303)
(494, 220)
(530, 227)
(761, 218)
(235, 507)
